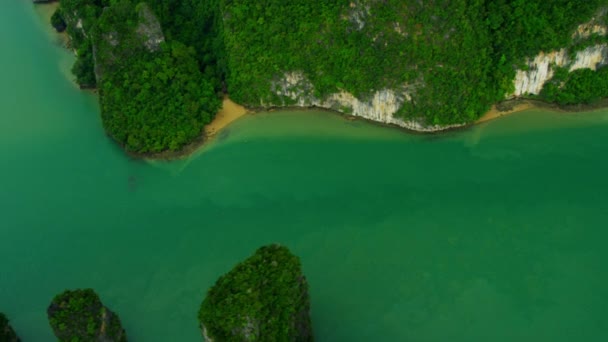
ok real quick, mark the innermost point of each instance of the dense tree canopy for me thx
(159, 102)
(455, 57)
(264, 298)
(79, 315)
(580, 86)
(153, 94)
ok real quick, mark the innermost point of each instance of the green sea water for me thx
(493, 233)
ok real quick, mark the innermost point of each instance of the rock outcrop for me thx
(541, 68)
(264, 298)
(380, 106)
(383, 104)
(149, 28)
(79, 315)
(7, 334)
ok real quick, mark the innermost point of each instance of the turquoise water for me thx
(493, 233)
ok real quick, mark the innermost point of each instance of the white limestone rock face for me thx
(384, 103)
(541, 67)
(149, 28)
(358, 13)
(592, 58)
(379, 107)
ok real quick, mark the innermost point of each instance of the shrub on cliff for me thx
(264, 298)
(79, 315)
(7, 334)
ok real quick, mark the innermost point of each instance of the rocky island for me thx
(162, 67)
(79, 315)
(7, 334)
(264, 298)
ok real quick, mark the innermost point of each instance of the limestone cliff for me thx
(541, 68)
(293, 88)
(379, 107)
(383, 104)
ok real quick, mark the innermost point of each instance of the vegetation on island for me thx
(79, 315)
(579, 86)
(264, 298)
(454, 58)
(80, 17)
(7, 334)
(153, 95)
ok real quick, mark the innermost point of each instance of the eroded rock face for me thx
(79, 315)
(542, 67)
(383, 104)
(111, 47)
(7, 334)
(149, 28)
(380, 106)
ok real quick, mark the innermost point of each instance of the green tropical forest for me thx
(454, 57)
(264, 298)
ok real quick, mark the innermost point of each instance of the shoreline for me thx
(235, 111)
(45, 10)
(232, 111)
(500, 110)
(229, 113)
(517, 105)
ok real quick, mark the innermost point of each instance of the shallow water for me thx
(490, 233)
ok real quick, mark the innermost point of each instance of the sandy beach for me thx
(495, 112)
(230, 112)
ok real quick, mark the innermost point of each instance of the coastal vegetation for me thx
(264, 298)
(7, 334)
(579, 86)
(153, 94)
(79, 315)
(453, 59)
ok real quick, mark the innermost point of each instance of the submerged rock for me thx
(264, 298)
(79, 315)
(7, 334)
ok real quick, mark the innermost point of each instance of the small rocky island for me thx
(264, 298)
(79, 315)
(7, 334)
